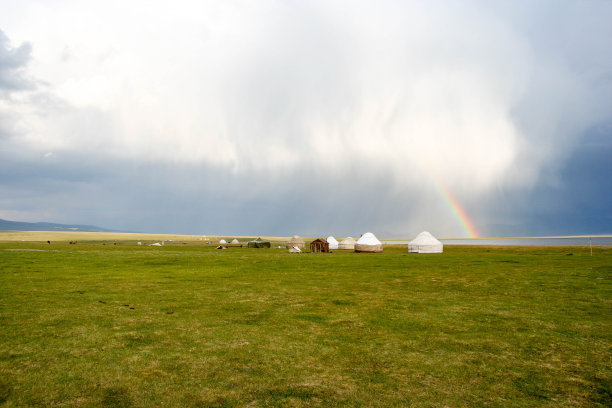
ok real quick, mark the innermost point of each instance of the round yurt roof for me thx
(425, 242)
(425, 238)
(235, 241)
(347, 243)
(368, 239)
(222, 241)
(333, 242)
(296, 239)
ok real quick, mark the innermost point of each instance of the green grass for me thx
(127, 326)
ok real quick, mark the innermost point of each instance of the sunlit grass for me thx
(186, 325)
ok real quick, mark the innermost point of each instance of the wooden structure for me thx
(319, 245)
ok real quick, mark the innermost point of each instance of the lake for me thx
(575, 240)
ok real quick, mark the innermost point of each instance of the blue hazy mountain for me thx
(6, 225)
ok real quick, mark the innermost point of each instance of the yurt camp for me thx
(319, 245)
(347, 243)
(368, 243)
(333, 242)
(425, 243)
(259, 243)
(296, 241)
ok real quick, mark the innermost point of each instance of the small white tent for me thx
(333, 242)
(425, 243)
(235, 241)
(368, 243)
(347, 243)
(223, 241)
(295, 250)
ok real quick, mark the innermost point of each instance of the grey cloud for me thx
(331, 112)
(13, 61)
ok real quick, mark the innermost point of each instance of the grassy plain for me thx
(186, 325)
(119, 237)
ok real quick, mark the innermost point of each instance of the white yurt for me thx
(296, 241)
(368, 243)
(333, 242)
(347, 243)
(295, 250)
(223, 241)
(425, 243)
(235, 241)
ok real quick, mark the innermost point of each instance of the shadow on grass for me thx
(135, 340)
(312, 318)
(5, 390)
(531, 384)
(602, 391)
(278, 395)
(116, 397)
(215, 403)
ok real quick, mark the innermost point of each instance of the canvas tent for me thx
(333, 242)
(296, 241)
(235, 241)
(259, 243)
(425, 243)
(347, 243)
(223, 241)
(368, 243)
(294, 250)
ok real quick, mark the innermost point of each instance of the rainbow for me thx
(466, 223)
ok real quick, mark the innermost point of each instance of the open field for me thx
(65, 236)
(186, 325)
(124, 238)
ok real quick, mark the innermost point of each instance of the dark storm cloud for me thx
(136, 196)
(574, 199)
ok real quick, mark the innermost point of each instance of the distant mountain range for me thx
(6, 225)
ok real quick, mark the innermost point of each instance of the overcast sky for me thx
(308, 117)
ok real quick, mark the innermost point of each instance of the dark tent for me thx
(259, 243)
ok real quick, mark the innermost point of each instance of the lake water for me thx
(582, 240)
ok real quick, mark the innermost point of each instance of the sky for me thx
(317, 118)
